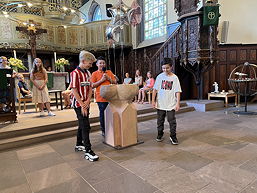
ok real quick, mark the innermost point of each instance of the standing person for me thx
(82, 92)
(149, 83)
(127, 80)
(99, 78)
(168, 100)
(38, 77)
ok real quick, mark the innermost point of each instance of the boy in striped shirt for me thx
(82, 92)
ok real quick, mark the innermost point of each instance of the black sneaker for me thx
(91, 156)
(103, 134)
(159, 137)
(80, 148)
(174, 140)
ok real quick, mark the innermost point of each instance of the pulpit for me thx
(120, 115)
(7, 99)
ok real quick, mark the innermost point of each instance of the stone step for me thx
(31, 105)
(17, 142)
(30, 136)
(65, 124)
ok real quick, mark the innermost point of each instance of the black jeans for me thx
(83, 129)
(102, 106)
(171, 120)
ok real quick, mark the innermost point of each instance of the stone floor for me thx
(217, 154)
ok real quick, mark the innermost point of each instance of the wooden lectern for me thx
(120, 115)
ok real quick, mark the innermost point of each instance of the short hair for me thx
(167, 61)
(100, 58)
(85, 55)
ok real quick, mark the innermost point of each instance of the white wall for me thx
(242, 17)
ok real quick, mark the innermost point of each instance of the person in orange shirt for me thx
(99, 78)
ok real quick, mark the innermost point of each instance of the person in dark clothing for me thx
(23, 86)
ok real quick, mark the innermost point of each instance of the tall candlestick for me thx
(55, 57)
(14, 54)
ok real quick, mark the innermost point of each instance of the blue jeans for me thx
(102, 106)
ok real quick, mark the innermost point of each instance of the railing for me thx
(170, 48)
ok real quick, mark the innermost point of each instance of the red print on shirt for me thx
(167, 85)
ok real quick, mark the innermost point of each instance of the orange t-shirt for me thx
(96, 76)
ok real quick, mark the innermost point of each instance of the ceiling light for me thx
(65, 26)
(29, 4)
(20, 5)
(5, 13)
(65, 8)
(6, 16)
(81, 21)
(72, 10)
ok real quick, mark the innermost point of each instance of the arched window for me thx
(97, 16)
(155, 18)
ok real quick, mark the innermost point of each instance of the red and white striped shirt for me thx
(77, 76)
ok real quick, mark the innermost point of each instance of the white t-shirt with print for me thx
(167, 87)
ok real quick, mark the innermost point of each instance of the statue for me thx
(216, 87)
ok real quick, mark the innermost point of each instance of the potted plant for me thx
(16, 64)
(59, 64)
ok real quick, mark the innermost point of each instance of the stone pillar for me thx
(120, 115)
(30, 62)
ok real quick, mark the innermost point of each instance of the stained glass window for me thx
(97, 16)
(155, 18)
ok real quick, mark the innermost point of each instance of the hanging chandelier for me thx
(66, 11)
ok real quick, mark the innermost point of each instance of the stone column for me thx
(30, 62)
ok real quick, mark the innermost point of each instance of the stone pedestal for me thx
(120, 115)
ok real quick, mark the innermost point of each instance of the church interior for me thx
(211, 46)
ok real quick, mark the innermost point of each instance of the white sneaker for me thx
(41, 113)
(51, 114)
(91, 156)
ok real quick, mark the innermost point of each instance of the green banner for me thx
(210, 15)
(50, 83)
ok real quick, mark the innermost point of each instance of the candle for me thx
(14, 54)
(55, 57)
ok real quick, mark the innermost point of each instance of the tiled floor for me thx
(217, 154)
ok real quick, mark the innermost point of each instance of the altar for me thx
(56, 80)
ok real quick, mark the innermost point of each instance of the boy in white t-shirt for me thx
(168, 100)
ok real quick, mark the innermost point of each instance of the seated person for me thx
(127, 80)
(149, 83)
(23, 87)
(67, 95)
(49, 69)
(138, 79)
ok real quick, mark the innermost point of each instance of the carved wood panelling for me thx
(242, 55)
(50, 33)
(6, 29)
(223, 56)
(193, 34)
(73, 36)
(185, 6)
(252, 54)
(61, 35)
(232, 55)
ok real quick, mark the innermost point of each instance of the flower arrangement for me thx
(59, 64)
(16, 64)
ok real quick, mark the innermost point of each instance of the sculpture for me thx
(121, 15)
(216, 87)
